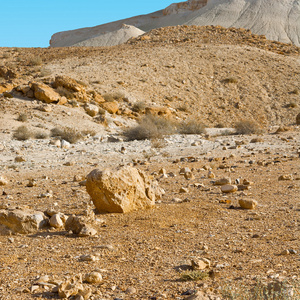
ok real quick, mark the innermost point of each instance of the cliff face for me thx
(183, 6)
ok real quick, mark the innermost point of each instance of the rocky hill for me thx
(277, 20)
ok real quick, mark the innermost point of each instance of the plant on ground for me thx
(230, 80)
(117, 96)
(139, 106)
(68, 134)
(22, 133)
(194, 275)
(150, 127)
(247, 127)
(40, 135)
(22, 117)
(36, 61)
(191, 127)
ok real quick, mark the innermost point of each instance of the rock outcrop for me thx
(120, 191)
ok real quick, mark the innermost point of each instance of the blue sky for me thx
(31, 23)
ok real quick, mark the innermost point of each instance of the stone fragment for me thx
(223, 181)
(20, 159)
(93, 277)
(71, 287)
(78, 223)
(285, 177)
(298, 119)
(200, 263)
(189, 176)
(183, 190)
(65, 144)
(22, 221)
(248, 203)
(228, 188)
(45, 108)
(44, 92)
(31, 183)
(211, 175)
(56, 221)
(91, 109)
(87, 230)
(88, 257)
(123, 190)
(3, 180)
(111, 107)
(285, 252)
(185, 170)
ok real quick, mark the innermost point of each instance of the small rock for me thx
(223, 181)
(285, 177)
(183, 190)
(31, 183)
(87, 231)
(248, 203)
(285, 252)
(88, 257)
(56, 221)
(93, 277)
(211, 175)
(200, 263)
(228, 188)
(20, 159)
(3, 180)
(65, 144)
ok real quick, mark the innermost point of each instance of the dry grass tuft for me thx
(22, 117)
(194, 275)
(68, 134)
(22, 133)
(247, 127)
(191, 127)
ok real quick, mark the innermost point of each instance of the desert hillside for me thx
(277, 20)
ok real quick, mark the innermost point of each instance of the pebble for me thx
(228, 188)
(93, 277)
(285, 177)
(248, 203)
(200, 263)
(183, 190)
(88, 257)
(211, 175)
(20, 159)
(285, 252)
(3, 180)
(56, 221)
(223, 181)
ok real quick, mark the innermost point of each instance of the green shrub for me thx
(247, 127)
(194, 275)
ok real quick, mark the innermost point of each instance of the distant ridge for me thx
(278, 20)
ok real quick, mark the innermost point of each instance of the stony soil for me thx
(141, 253)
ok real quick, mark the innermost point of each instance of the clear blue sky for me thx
(31, 23)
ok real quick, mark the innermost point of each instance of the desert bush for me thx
(194, 275)
(247, 127)
(45, 72)
(150, 127)
(40, 135)
(139, 106)
(22, 133)
(68, 134)
(89, 132)
(36, 61)
(191, 127)
(117, 96)
(22, 117)
(260, 291)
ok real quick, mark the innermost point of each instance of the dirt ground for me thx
(142, 254)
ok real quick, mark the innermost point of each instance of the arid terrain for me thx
(209, 75)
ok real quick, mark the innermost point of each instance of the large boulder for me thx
(45, 93)
(120, 191)
(21, 221)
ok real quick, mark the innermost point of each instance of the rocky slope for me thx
(277, 20)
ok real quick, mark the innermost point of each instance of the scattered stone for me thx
(211, 175)
(21, 221)
(285, 177)
(200, 263)
(248, 203)
(93, 277)
(228, 188)
(56, 221)
(183, 190)
(20, 159)
(3, 180)
(242, 187)
(78, 178)
(44, 93)
(285, 252)
(71, 287)
(223, 181)
(69, 163)
(45, 108)
(91, 109)
(110, 107)
(184, 171)
(86, 231)
(77, 223)
(88, 257)
(123, 190)
(31, 183)
(56, 143)
(65, 144)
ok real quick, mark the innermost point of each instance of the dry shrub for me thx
(40, 135)
(139, 106)
(247, 127)
(192, 127)
(89, 132)
(150, 127)
(117, 96)
(22, 133)
(36, 61)
(22, 117)
(68, 134)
